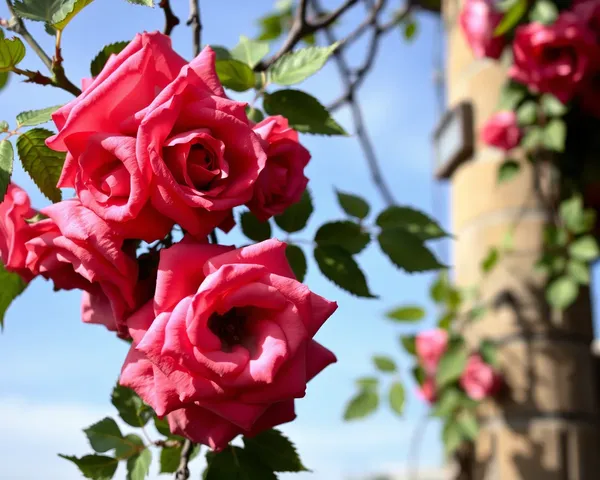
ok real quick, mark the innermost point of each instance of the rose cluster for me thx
(479, 380)
(222, 338)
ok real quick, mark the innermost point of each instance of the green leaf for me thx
(304, 112)
(511, 18)
(145, 3)
(440, 288)
(57, 13)
(138, 466)
(43, 165)
(362, 405)
(4, 76)
(397, 397)
(104, 435)
(552, 106)
(579, 272)
(250, 52)
(410, 29)
(339, 267)
(452, 436)
(96, 467)
(254, 114)
(297, 259)
(576, 219)
(467, 423)
(449, 400)
(508, 170)
(414, 221)
(533, 138)
(488, 352)
(409, 344)
(555, 134)
(131, 408)
(162, 425)
(235, 463)
(66, 12)
(511, 95)
(445, 321)
(274, 450)
(296, 216)
(12, 51)
(100, 60)
(562, 292)
(527, 113)
(584, 249)
(544, 12)
(11, 286)
(419, 374)
(347, 235)
(297, 66)
(171, 456)
(353, 205)
(384, 364)
(221, 52)
(130, 446)
(367, 383)
(407, 251)
(452, 363)
(36, 117)
(253, 228)
(235, 75)
(7, 159)
(406, 314)
(490, 260)
(270, 27)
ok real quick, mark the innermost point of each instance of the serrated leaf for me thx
(43, 165)
(235, 463)
(584, 249)
(406, 314)
(511, 18)
(235, 75)
(579, 272)
(409, 344)
(397, 397)
(138, 466)
(32, 118)
(171, 456)
(414, 221)
(384, 364)
(130, 446)
(452, 363)
(131, 408)
(162, 425)
(7, 159)
(103, 55)
(37, 10)
(104, 435)
(347, 235)
(353, 205)
(562, 292)
(362, 405)
(407, 251)
(96, 467)
(145, 3)
(11, 286)
(253, 228)
(303, 111)
(12, 51)
(270, 27)
(508, 170)
(297, 66)
(296, 216)
(67, 11)
(339, 267)
(274, 450)
(297, 259)
(250, 52)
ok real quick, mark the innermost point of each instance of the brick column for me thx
(548, 428)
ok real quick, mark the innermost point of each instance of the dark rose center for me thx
(202, 167)
(231, 327)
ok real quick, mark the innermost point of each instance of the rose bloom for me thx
(430, 347)
(502, 131)
(282, 182)
(480, 380)
(427, 391)
(478, 20)
(226, 345)
(76, 249)
(553, 58)
(153, 141)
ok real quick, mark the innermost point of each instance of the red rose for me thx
(282, 182)
(430, 347)
(478, 20)
(553, 58)
(502, 131)
(226, 346)
(479, 379)
(427, 391)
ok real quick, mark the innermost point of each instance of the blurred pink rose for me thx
(427, 391)
(479, 379)
(478, 20)
(430, 347)
(502, 131)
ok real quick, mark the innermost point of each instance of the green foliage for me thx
(584, 249)
(579, 272)
(235, 75)
(254, 114)
(7, 158)
(4, 76)
(544, 11)
(104, 435)
(96, 467)
(410, 28)
(235, 463)
(576, 219)
(145, 3)
(36, 117)
(452, 363)
(488, 352)
(397, 398)
(253, 228)
(367, 382)
(171, 456)
(43, 165)
(297, 259)
(448, 402)
(511, 95)
(407, 251)
(339, 267)
(562, 292)
(12, 51)
(131, 408)
(345, 234)
(103, 55)
(131, 445)
(353, 205)
(138, 466)
(555, 134)
(275, 450)
(250, 52)
(304, 112)
(411, 220)
(467, 423)
(409, 344)
(452, 436)
(508, 170)
(11, 286)
(406, 314)
(67, 11)
(491, 260)
(512, 17)
(296, 216)
(552, 106)
(527, 113)
(297, 66)
(221, 52)
(57, 13)
(363, 404)
(384, 364)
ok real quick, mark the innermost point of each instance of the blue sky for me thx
(57, 373)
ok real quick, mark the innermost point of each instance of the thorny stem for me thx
(171, 20)
(196, 23)
(183, 471)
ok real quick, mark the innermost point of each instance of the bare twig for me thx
(195, 22)
(183, 471)
(171, 20)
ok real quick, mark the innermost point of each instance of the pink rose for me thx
(430, 347)
(478, 20)
(75, 249)
(226, 346)
(502, 131)
(282, 182)
(553, 58)
(427, 391)
(15, 209)
(479, 379)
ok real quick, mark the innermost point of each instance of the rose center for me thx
(231, 327)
